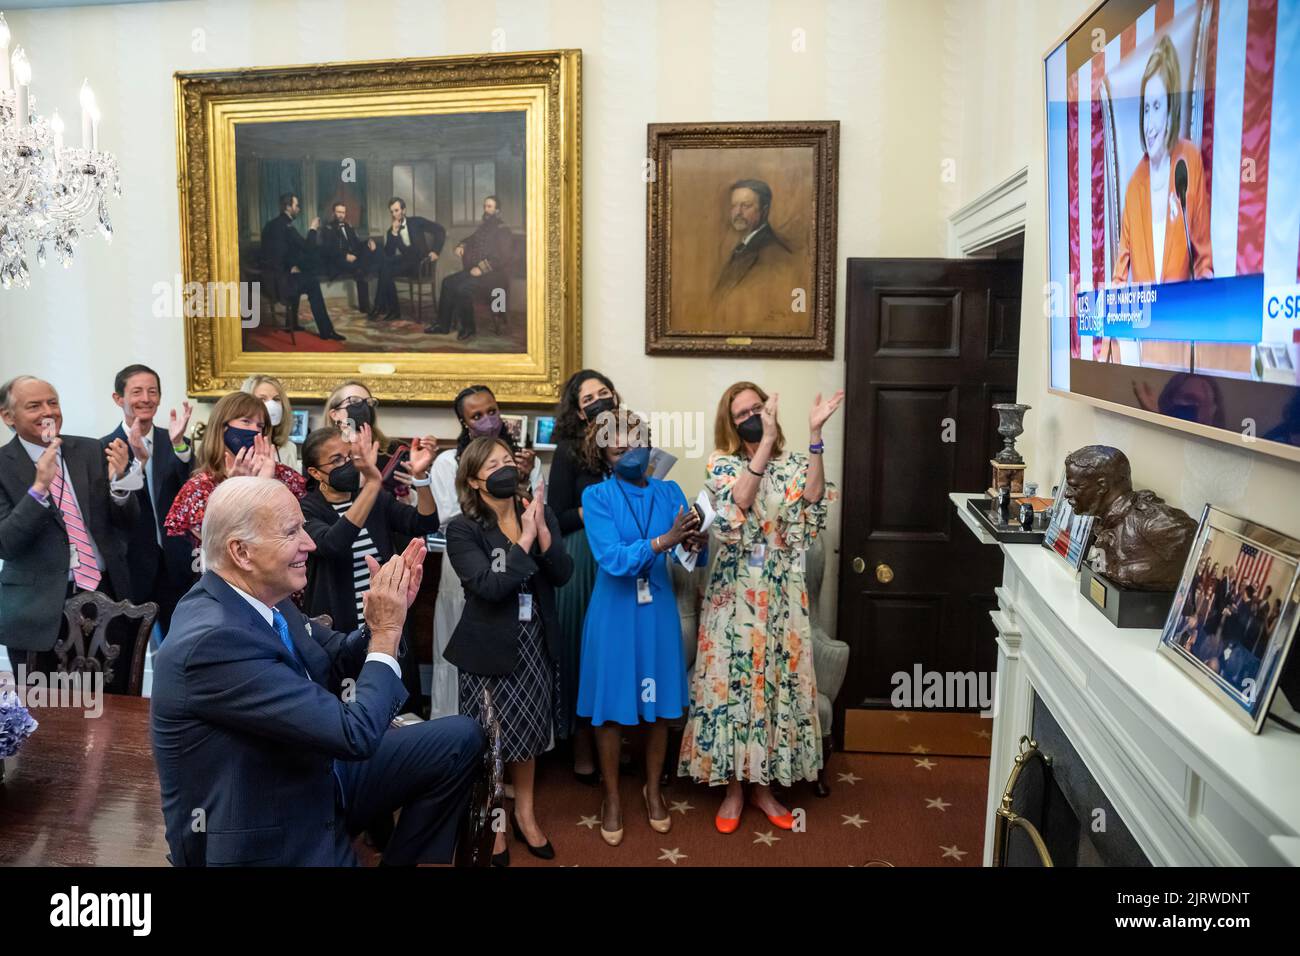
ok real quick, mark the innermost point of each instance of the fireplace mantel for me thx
(1194, 786)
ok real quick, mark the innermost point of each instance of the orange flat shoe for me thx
(727, 826)
(785, 821)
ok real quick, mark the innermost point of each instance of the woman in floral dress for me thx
(753, 714)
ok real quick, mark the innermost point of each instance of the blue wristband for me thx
(817, 449)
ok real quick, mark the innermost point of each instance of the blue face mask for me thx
(239, 438)
(633, 463)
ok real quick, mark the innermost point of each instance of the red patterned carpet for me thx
(883, 810)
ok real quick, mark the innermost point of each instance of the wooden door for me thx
(931, 345)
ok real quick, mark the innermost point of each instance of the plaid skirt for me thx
(526, 700)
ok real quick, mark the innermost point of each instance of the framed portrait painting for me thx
(740, 253)
(414, 222)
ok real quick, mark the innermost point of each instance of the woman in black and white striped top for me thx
(349, 515)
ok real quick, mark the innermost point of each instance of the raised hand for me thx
(821, 411)
(135, 438)
(177, 424)
(414, 557)
(768, 414)
(385, 603)
(263, 465)
(117, 459)
(239, 465)
(422, 451)
(524, 459)
(47, 466)
(366, 454)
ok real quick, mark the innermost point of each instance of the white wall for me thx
(994, 85)
(914, 83)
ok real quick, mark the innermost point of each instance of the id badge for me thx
(74, 559)
(525, 607)
(643, 591)
(757, 555)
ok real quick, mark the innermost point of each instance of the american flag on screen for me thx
(1244, 39)
(1253, 565)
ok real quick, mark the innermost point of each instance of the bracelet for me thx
(183, 446)
(654, 545)
(756, 474)
(422, 482)
(816, 448)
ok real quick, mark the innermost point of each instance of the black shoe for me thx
(334, 337)
(502, 858)
(391, 316)
(463, 336)
(591, 779)
(434, 330)
(546, 852)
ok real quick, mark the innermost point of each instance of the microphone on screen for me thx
(1180, 187)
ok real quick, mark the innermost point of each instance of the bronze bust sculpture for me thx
(1141, 542)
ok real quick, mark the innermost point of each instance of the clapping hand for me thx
(821, 411)
(524, 459)
(47, 465)
(413, 558)
(366, 454)
(135, 438)
(422, 451)
(117, 459)
(684, 524)
(768, 415)
(386, 602)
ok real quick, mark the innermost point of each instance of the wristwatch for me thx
(817, 448)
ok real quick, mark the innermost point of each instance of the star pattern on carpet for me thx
(924, 763)
(850, 778)
(903, 718)
(920, 749)
(982, 733)
(854, 821)
(672, 856)
(680, 806)
(951, 852)
(767, 839)
(936, 803)
(589, 822)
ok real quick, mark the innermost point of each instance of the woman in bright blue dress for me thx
(633, 670)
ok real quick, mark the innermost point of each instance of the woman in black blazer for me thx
(510, 558)
(350, 515)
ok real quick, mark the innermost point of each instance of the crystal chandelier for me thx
(46, 189)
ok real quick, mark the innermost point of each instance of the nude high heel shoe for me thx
(612, 837)
(659, 826)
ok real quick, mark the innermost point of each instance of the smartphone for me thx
(49, 430)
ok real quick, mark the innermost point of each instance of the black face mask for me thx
(345, 478)
(751, 429)
(595, 408)
(361, 414)
(503, 482)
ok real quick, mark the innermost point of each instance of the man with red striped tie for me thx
(65, 511)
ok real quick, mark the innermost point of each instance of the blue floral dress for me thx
(753, 712)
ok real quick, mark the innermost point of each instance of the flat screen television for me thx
(1173, 208)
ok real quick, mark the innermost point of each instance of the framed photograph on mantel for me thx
(1234, 616)
(740, 251)
(414, 222)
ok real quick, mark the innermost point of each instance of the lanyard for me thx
(645, 531)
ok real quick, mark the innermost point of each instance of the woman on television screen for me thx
(1153, 246)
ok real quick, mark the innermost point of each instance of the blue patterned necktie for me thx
(282, 628)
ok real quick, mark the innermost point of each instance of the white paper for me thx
(661, 462)
(688, 559)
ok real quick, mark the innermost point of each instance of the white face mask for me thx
(275, 410)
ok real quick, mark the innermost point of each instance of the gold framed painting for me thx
(413, 222)
(741, 229)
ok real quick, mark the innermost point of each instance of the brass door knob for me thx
(859, 565)
(884, 573)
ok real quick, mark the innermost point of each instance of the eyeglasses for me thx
(739, 417)
(357, 400)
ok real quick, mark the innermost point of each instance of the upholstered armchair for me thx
(830, 656)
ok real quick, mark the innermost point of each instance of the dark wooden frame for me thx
(662, 139)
